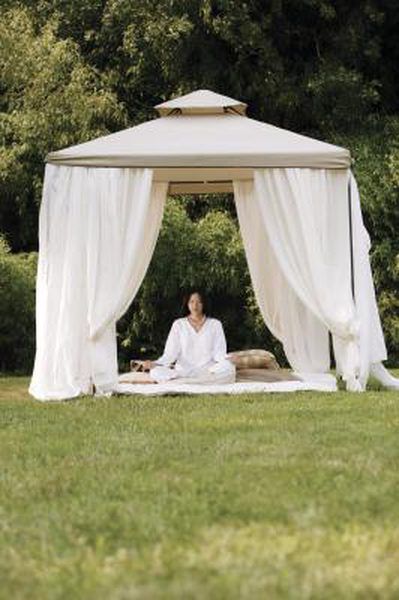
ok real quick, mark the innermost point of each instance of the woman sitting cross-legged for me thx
(197, 345)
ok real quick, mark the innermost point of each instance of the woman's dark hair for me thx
(205, 304)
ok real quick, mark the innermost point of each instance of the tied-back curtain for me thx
(304, 337)
(304, 213)
(97, 232)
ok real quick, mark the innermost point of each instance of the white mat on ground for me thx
(323, 383)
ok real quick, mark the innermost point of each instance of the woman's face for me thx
(195, 305)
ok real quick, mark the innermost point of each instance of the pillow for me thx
(253, 359)
(265, 375)
(133, 377)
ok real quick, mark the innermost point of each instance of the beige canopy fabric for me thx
(201, 102)
(203, 137)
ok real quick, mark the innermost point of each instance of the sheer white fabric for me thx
(372, 343)
(97, 232)
(98, 229)
(304, 337)
(295, 227)
(305, 216)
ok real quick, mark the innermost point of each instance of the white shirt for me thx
(191, 349)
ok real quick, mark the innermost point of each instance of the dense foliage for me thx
(51, 98)
(70, 71)
(17, 309)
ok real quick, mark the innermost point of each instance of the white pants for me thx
(221, 372)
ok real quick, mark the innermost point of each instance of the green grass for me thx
(257, 496)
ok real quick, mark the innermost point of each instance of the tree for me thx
(310, 65)
(50, 99)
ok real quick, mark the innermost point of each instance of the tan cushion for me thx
(254, 359)
(134, 377)
(265, 375)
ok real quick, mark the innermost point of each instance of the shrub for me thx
(17, 309)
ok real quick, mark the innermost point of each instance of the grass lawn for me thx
(257, 496)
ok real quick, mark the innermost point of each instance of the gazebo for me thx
(300, 218)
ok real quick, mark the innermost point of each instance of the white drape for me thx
(372, 343)
(304, 213)
(304, 337)
(97, 232)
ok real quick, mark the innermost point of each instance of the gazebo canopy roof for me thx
(200, 137)
(201, 102)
